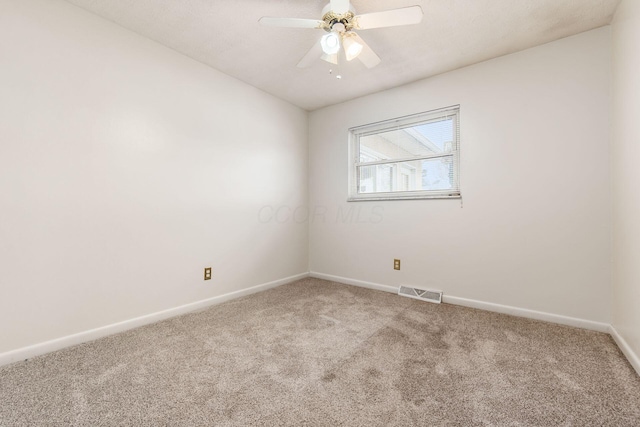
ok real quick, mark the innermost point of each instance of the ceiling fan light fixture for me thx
(330, 43)
(332, 59)
(351, 48)
(338, 20)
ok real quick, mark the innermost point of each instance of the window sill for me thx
(381, 198)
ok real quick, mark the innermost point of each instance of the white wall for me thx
(626, 175)
(534, 230)
(125, 169)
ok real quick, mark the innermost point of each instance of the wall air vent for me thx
(421, 294)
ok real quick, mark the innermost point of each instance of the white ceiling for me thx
(225, 34)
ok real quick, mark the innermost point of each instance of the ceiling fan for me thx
(340, 21)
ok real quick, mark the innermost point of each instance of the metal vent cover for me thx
(421, 294)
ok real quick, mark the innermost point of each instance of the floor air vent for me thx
(421, 294)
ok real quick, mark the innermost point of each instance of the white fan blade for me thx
(291, 22)
(368, 57)
(332, 59)
(389, 18)
(340, 6)
(313, 54)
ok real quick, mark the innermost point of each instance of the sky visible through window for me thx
(439, 132)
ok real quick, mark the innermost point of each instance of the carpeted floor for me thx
(320, 353)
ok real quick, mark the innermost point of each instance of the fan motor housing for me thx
(331, 18)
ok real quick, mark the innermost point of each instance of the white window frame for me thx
(398, 123)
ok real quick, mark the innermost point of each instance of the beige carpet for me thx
(325, 354)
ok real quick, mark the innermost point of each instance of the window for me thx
(412, 157)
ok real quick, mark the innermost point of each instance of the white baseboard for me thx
(529, 314)
(488, 306)
(90, 335)
(360, 283)
(626, 349)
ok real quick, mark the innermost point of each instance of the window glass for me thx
(406, 158)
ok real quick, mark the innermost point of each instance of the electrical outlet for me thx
(396, 264)
(207, 273)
